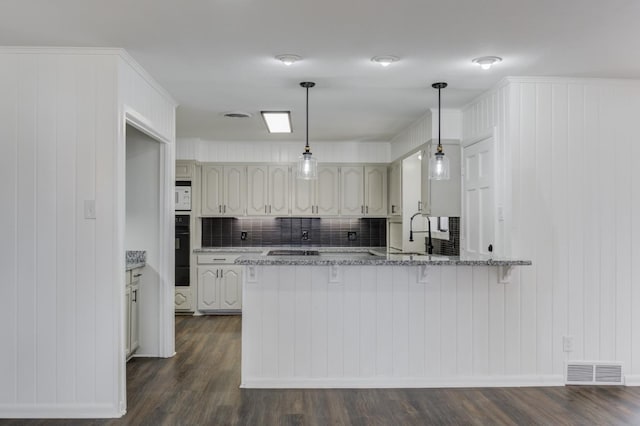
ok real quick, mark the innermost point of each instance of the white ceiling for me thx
(218, 55)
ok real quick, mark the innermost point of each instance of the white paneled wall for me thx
(570, 192)
(425, 129)
(380, 326)
(63, 275)
(281, 152)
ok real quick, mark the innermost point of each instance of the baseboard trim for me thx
(632, 380)
(59, 411)
(392, 382)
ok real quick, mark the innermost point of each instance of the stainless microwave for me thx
(183, 195)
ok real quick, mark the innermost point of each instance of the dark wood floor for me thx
(199, 386)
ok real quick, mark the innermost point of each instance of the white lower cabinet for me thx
(132, 318)
(183, 300)
(219, 284)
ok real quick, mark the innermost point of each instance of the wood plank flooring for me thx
(199, 386)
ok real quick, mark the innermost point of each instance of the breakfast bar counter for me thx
(368, 319)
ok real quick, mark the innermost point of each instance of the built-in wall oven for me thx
(182, 250)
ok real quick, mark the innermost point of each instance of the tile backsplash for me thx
(450, 247)
(331, 232)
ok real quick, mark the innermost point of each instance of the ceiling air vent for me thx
(594, 373)
(237, 114)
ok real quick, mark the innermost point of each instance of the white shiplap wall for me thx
(378, 326)
(281, 152)
(61, 288)
(574, 221)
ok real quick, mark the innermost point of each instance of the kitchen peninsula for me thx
(368, 319)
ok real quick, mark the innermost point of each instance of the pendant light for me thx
(307, 165)
(438, 163)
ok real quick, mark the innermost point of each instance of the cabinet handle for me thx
(367, 210)
(217, 272)
(135, 295)
(393, 208)
(362, 209)
(219, 208)
(265, 209)
(419, 206)
(269, 208)
(219, 259)
(137, 275)
(224, 208)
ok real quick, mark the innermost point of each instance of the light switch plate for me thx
(89, 209)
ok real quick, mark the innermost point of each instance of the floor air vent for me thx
(594, 373)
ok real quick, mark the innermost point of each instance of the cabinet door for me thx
(258, 198)
(395, 189)
(127, 325)
(304, 197)
(235, 190)
(212, 177)
(328, 192)
(183, 300)
(278, 190)
(352, 191)
(184, 169)
(231, 288)
(135, 318)
(375, 185)
(208, 288)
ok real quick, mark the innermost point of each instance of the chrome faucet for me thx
(428, 244)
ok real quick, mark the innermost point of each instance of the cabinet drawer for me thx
(217, 258)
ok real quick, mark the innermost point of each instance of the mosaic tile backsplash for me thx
(281, 231)
(450, 247)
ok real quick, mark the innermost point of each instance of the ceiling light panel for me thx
(385, 61)
(277, 121)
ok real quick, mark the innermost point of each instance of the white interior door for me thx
(479, 205)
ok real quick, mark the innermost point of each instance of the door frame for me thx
(166, 319)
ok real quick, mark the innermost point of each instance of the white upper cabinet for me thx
(395, 189)
(352, 191)
(441, 197)
(224, 190)
(317, 197)
(258, 199)
(185, 169)
(279, 177)
(375, 190)
(268, 188)
(363, 191)
(328, 191)
(212, 178)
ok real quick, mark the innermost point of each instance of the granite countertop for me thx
(356, 256)
(135, 259)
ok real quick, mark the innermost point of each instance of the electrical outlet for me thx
(243, 235)
(352, 235)
(305, 235)
(567, 343)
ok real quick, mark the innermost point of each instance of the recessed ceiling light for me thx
(288, 59)
(277, 121)
(486, 62)
(385, 61)
(237, 114)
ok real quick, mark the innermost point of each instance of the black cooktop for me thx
(293, 253)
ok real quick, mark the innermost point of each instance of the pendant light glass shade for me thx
(307, 165)
(439, 163)
(439, 167)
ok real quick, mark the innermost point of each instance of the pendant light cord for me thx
(306, 147)
(439, 118)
